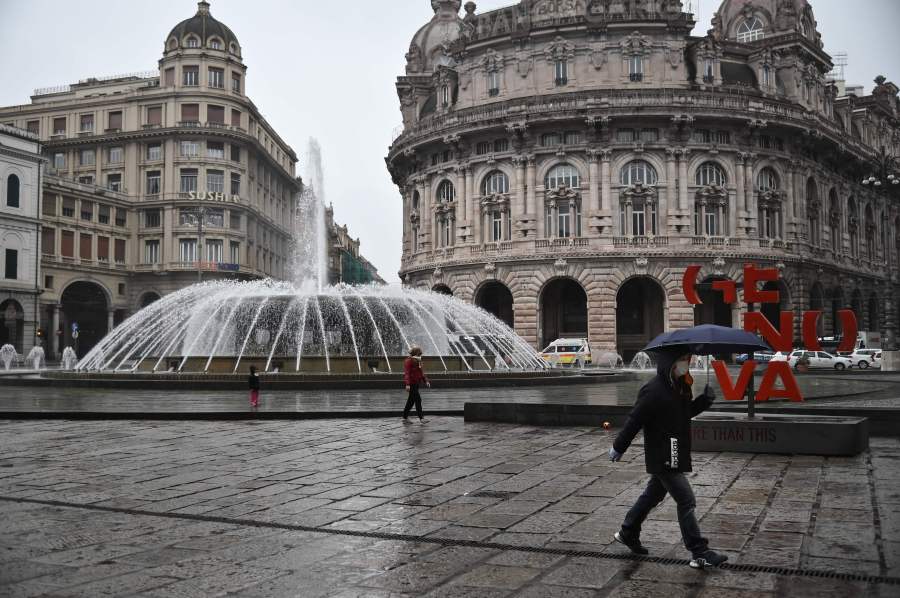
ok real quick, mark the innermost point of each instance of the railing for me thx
(640, 241)
(635, 77)
(711, 241)
(764, 242)
(42, 91)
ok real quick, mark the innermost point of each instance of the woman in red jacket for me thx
(413, 375)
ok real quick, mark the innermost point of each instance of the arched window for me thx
(834, 216)
(173, 43)
(445, 192)
(12, 191)
(232, 47)
(853, 227)
(638, 171)
(813, 213)
(750, 30)
(415, 200)
(192, 42)
(562, 175)
(495, 182)
(215, 44)
(870, 233)
(770, 217)
(767, 180)
(710, 173)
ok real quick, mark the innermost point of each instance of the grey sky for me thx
(327, 70)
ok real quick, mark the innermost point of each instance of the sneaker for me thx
(709, 558)
(406, 421)
(635, 545)
(422, 420)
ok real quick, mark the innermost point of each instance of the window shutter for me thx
(115, 120)
(103, 248)
(68, 243)
(154, 115)
(120, 251)
(48, 241)
(190, 112)
(84, 246)
(215, 114)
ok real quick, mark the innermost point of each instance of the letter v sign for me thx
(736, 392)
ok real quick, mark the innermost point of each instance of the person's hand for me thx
(710, 394)
(614, 455)
(407, 388)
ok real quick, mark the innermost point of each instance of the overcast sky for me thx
(326, 69)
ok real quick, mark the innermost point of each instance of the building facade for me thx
(21, 163)
(345, 263)
(563, 161)
(155, 180)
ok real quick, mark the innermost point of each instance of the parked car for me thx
(819, 359)
(865, 358)
(761, 357)
(567, 352)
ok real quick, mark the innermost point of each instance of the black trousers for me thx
(676, 484)
(414, 399)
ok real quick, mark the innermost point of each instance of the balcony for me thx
(708, 79)
(636, 77)
(640, 241)
(561, 81)
(712, 241)
(493, 92)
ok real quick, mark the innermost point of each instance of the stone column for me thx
(519, 207)
(789, 230)
(406, 200)
(426, 215)
(572, 231)
(532, 184)
(54, 326)
(740, 200)
(110, 320)
(751, 196)
(423, 215)
(683, 180)
(668, 202)
(605, 181)
(461, 196)
(477, 222)
(594, 181)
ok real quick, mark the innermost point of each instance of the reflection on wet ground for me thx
(831, 388)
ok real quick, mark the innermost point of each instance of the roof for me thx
(204, 26)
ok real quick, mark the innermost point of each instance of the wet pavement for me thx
(844, 387)
(375, 508)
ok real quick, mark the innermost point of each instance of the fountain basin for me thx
(339, 364)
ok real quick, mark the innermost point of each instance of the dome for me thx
(206, 29)
(749, 20)
(427, 48)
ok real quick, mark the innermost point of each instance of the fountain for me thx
(610, 359)
(306, 325)
(69, 358)
(641, 361)
(36, 358)
(8, 355)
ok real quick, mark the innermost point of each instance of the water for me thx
(641, 361)
(36, 358)
(69, 359)
(307, 325)
(610, 360)
(8, 355)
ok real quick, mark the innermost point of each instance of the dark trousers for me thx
(414, 399)
(660, 484)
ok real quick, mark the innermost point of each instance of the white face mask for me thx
(417, 357)
(681, 368)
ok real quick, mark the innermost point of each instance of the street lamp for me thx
(886, 170)
(199, 214)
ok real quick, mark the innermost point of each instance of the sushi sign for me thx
(780, 339)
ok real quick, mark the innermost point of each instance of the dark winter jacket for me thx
(412, 372)
(664, 410)
(253, 381)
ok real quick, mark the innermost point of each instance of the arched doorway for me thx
(872, 323)
(772, 311)
(712, 309)
(12, 324)
(85, 304)
(640, 305)
(817, 303)
(442, 289)
(148, 298)
(495, 297)
(563, 311)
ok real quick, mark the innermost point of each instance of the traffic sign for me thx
(74, 326)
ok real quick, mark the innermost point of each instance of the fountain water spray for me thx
(69, 358)
(8, 355)
(36, 358)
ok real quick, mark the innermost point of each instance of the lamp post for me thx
(199, 214)
(886, 171)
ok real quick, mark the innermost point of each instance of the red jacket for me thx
(412, 372)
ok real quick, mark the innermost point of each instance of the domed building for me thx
(562, 162)
(155, 180)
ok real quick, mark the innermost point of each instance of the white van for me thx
(567, 352)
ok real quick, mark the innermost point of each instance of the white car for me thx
(820, 359)
(865, 358)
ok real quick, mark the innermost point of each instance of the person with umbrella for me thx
(664, 409)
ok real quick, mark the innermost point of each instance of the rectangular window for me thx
(187, 217)
(151, 252)
(188, 250)
(215, 181)
(214, 251)
(170, 77)
(571, 137)
(86, 123)
(68, 207)
(33, 126)
(563, 221)
(154, 151)
(86, 157)
(702, 136)
(121, 288)
(625, 135)
(59, 125)
(87, 210)
(501, 145)
(722, 137)
(103, 249)
(235, 247)
(48, 241)
(496, 226)
(85, 246)
(707, 71)
(152, 218)
(190, 149)
(116, 155)
(120, 251)
(59, 160)
(636, 68)
(215, 217)
(190, 113)
(153, 182)
(215, 149)
(103, 214)
(12, 264)
(114, 182)
(49, 205)
(68, 243)
(215, 115)
(562, 72)
(235, 221)
(188, 180)
(235, 118)
(235, 153)
(154, 115)
(235, 183)
(483, 147)
(115, 120)
(493, 83)
(190, 75)
(216, 78)
(48, 282)
(649, 135)
(87, 180)
(637, 223)
(121, 216)
(236, 82)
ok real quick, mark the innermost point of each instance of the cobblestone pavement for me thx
(375, 508)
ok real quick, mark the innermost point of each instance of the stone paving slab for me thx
(362, 507)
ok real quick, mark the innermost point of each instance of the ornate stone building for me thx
(563, 161)
(135, 161)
